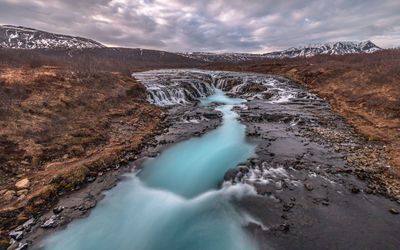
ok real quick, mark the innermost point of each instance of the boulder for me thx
(9, 195)
(16, 235)
(58, 209)
(308, 186)
(28, 224)
(22, 246)
(230, 174)
(22, 184)
(22, 192)
(51, 222)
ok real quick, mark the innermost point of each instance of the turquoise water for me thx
(174, 202)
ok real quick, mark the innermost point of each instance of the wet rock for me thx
(13, 246)
(23, 184)
(22, 246)
(230, 174)
(355, 190)
(212, 115)
(58, 209)
(284, 227)
(287, 207)
(308, 186)
(87, 205)
(243, 169)
(51, 222)
(91, 179)
(393, 211)
(28, 224)
(16, 235)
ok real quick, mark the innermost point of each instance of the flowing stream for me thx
(175, 201)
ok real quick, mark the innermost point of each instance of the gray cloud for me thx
(211, 25)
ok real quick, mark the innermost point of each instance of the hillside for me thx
(17, 37)
(334, 48)
(59, 129)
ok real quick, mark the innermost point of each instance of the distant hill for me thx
(17, 37)
(337, 48)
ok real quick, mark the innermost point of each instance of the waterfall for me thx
(167, 88)
(171, 87)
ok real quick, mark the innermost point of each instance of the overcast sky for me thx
(211, 25)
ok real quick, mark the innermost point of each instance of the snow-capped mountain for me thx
(17, 37)
(222, 57)
(337, 48)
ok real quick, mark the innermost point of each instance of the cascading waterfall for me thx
(170, 87)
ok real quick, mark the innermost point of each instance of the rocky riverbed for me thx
(315, 179)
(314, 176)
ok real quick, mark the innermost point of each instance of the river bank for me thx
(181, 124)
(306, 170)
(60, 130)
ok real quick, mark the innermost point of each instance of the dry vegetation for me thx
(65, 115)
(59, 128)
(363, 88)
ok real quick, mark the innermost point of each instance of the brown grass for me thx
(58, 128)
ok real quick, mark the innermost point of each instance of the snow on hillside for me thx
(26, 38)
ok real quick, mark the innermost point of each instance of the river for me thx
(176, 201)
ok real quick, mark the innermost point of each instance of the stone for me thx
(22, 184)
(28, 224)
(284, 227)
(325, 203)
(22, 246)
(51, 222)
(22, 192)
(58, 209)
(308, 186)
(355, 190)
(21, 197)
(16, 235)
(393, 211)
(13, 246)
(9, 195)
(230, 174)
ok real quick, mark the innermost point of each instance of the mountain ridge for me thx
(19, 37)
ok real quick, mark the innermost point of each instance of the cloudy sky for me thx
(211, 25)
